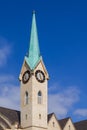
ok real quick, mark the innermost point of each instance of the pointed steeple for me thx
(34, 52)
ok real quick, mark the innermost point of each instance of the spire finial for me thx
(34, 12)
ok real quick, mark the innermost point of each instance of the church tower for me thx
(33, 79)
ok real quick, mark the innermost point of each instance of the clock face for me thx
(26, 76)
(40, 76)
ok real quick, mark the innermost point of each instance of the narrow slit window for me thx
(26, 98)
(53, 124)
(69, 127)
(39, 116)
(26, 116)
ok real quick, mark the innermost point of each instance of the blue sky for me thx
(62, 32)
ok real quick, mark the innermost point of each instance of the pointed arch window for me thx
(39, 97)
(26, 97)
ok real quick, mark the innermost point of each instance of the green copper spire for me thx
(34, 53)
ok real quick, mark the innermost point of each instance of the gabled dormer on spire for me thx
(34, 52)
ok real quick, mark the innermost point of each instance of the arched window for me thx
(39, 97)
(26, 97)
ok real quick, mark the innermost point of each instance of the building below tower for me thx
(10, 120)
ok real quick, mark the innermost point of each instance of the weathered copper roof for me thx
(33, 57)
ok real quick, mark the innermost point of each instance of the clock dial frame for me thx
(26, 76)
(40, 76)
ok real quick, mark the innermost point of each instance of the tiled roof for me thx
(49, 116)
(3, 122)
(9, 116)
(63, 122)
(81, 125)
(13, 116)
(1, 128)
